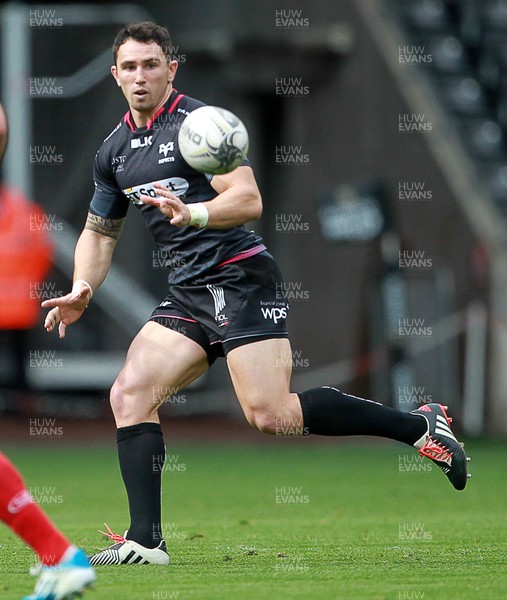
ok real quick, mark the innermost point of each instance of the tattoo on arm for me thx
(108, 227)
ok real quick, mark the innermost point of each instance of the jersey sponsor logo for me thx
(19, 502)
(118, 163)
(165, 149)
(141, 142)
(183, 111)
(274, 314)
(176, 185)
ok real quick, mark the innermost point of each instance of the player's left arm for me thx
(238, 201)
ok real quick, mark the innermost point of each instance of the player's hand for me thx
(169, 205)
(65, 310)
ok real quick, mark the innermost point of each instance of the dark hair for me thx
(144, 32)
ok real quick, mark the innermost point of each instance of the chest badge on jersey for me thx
(165, 149)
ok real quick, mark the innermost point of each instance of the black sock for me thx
(327, 411)
(141, 453)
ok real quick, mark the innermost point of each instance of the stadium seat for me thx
(464, 96)
(426, 15)
(448, 54)
(495, 15)
(484, 138)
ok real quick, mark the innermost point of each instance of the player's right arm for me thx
(95, 246)
(94, 249)
(92, 260)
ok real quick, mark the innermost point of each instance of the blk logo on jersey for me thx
(165, 149)
(141, 142)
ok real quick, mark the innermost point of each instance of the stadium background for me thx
(377, 136)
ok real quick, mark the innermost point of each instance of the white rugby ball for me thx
(213, 140)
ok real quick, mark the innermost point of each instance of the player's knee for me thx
(263, 420)
(116, 398)
(125, 403)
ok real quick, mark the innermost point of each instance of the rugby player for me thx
(221, 300)
(64, 569)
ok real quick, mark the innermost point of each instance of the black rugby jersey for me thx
(130, 160)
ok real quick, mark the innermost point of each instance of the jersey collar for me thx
(169, 107)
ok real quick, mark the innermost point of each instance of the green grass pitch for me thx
(283, 520)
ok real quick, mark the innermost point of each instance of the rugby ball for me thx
(213, 140)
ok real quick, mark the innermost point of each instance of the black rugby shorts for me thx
(233, 304)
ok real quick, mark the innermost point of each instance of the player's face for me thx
(144, 75)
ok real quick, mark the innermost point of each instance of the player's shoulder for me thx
(114, 135)
(186, 104)
(111, 142)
